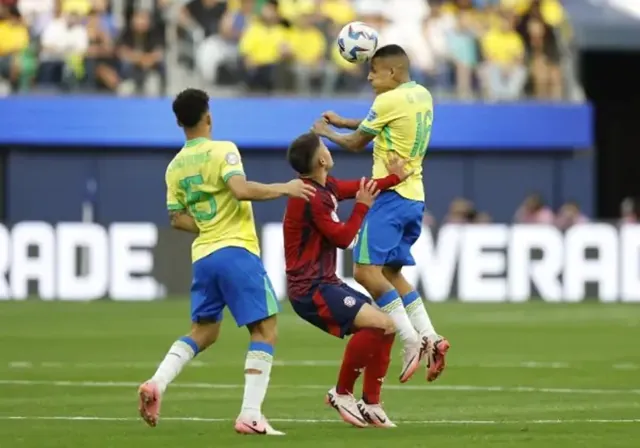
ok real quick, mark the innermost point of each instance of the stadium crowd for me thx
(493, 49)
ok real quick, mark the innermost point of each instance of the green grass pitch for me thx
(519, 375)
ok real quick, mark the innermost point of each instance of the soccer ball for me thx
(357, 42)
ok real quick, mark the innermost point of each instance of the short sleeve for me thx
(231, 164)
(173, 202)
(381, 113)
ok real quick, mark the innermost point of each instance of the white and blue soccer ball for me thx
(357, 42)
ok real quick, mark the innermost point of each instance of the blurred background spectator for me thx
(534, 211)
(501, 50)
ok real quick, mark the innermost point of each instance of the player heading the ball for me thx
(399, 123)
(208, 195)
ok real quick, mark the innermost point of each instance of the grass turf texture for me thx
(519, 375)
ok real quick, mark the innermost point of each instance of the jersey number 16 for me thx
(195, 197)
(423, 132)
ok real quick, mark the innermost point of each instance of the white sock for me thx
(418, 315)
(391, 304)
(181, 352)
(260, 358)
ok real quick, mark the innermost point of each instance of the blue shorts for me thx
(332, 308)
(236, 278)
(392, 225)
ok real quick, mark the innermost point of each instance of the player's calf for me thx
(201, 336)
(257, 371)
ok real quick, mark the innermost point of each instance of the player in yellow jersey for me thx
(208, 195)
(399, 123)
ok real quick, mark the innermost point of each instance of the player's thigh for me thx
(338, 306)
(412, 213)
(207, 302)
(381, 231)
(371, 317)
(245, 286)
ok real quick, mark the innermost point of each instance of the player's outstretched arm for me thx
(355, 141)
(245, 190)
(347, 189)
(341, 234)
(182, 220)
(340, 122)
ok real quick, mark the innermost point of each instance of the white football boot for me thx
(247, 426)
(347, 407)
(375, 415)
(412, 355)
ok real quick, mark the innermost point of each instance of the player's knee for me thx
(371, 278)
(264, 331)
(386, 324)
(391, 273)
(204, 334)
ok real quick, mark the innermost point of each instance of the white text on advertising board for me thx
(497, 263)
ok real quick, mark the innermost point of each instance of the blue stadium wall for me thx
(59, 153)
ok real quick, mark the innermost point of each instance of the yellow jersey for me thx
(197, 182)
(401, 120)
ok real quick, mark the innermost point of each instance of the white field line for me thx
(292, 420)
(302, 363)
(450, 388)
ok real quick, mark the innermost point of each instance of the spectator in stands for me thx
(543, 54)
(203, 18)
(309, 47)
(262, 48)
(463, 50)
(141, 52)
(235, 21)
(101, 10)
(428, 220)
(338, 12)
(629, 211)
(37, 13)
(534, 211)
(100, 63)
(63, 43)
(483, 218)
(14, 41)
(504, 71)
(460, 211)
(569, 215)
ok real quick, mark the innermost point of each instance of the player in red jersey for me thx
(312, 233)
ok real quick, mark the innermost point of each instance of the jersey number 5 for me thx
(195, 197)
(423, 132)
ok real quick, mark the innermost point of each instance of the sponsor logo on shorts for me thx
(349, 301)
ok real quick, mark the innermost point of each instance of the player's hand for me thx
(320, 127)
(333, 119)
(298, 189)
(398, 166)
(368, 192)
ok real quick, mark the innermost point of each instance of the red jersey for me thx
(313, 232)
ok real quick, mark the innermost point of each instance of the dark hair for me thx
(389, 51)
(301, 152)
(189, 107)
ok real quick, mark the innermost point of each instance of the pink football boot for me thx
(149, 399)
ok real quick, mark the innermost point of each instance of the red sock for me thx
(377, 369)
(357, 356)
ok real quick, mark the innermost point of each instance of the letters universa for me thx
(509, 263)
